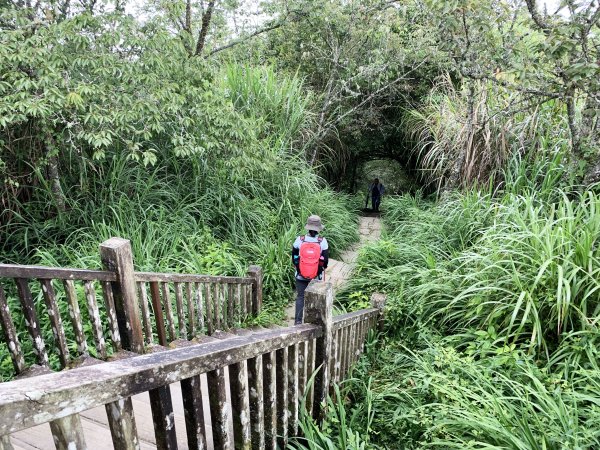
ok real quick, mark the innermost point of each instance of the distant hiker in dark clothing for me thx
(376, 190)
(310, 255)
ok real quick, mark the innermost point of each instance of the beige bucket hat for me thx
(314, 223)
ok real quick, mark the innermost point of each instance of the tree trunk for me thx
(573, 128)
(204, 29)
(353, 179)
(455, 179)
(53, 176)
(590, 134)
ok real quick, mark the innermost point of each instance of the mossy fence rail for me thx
(195, 320)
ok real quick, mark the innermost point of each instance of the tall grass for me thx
(211, 212)
(481, 144)
(492, 317)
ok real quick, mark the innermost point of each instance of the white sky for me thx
(248, 12)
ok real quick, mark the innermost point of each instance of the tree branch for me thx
(206, 16)
(537, 18)
(245, 38)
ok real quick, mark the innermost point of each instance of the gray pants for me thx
(301, 286)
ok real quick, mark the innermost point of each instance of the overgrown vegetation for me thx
(491, 322)
(207, 142)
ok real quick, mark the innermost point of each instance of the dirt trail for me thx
(339, 271)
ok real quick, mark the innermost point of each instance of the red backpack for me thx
(310, 256)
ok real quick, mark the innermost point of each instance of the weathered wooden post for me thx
(5, 443)
(318, 305)
(378, 301)
(255, 272)
(117, 257)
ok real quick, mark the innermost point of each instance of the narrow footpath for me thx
(339, 271)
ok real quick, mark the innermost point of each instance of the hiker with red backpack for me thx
(310, 255)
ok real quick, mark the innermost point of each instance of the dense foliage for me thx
(207, 143)
(109, 128)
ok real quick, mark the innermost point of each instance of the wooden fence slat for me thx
(361, 339)
(217, 305)
(249, 290)
(242, 302)
(238, 303)
(122, 425)
(332, 361)
(240, 406)
(5, 443)
(75, 315)
(310, 369)
(358, 332)
(208, 301)
(257, 412)
(282, 386)
(270, 400)
(193, 408)
(94, 312)
(350, 348)
(354, 344)
(111, 313)
(230, 315)
(10, 335)
(67, 433)
(338, 356)
(163, 418)
(168, 311)
(147, 322)
(342, 353)
(224, 306)
(345, 353)
(158, 313)
(191, 316)
(219, 410)
(31, 321)
(58, 331)
(200, 308)
(357, 341)
(302, 347)
(180, 314)
(292, 408)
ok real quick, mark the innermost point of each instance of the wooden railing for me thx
(264, 371)
(95, 314)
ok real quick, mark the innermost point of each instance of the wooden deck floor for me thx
(97, 433)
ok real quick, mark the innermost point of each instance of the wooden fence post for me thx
(378, 301)
(117, 257)
(5, 443)
(255, 272)
(318, 305)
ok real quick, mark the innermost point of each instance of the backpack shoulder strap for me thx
(320, 239)
(302, 238)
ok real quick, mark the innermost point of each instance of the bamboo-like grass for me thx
(212, 213)
(492, 316)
